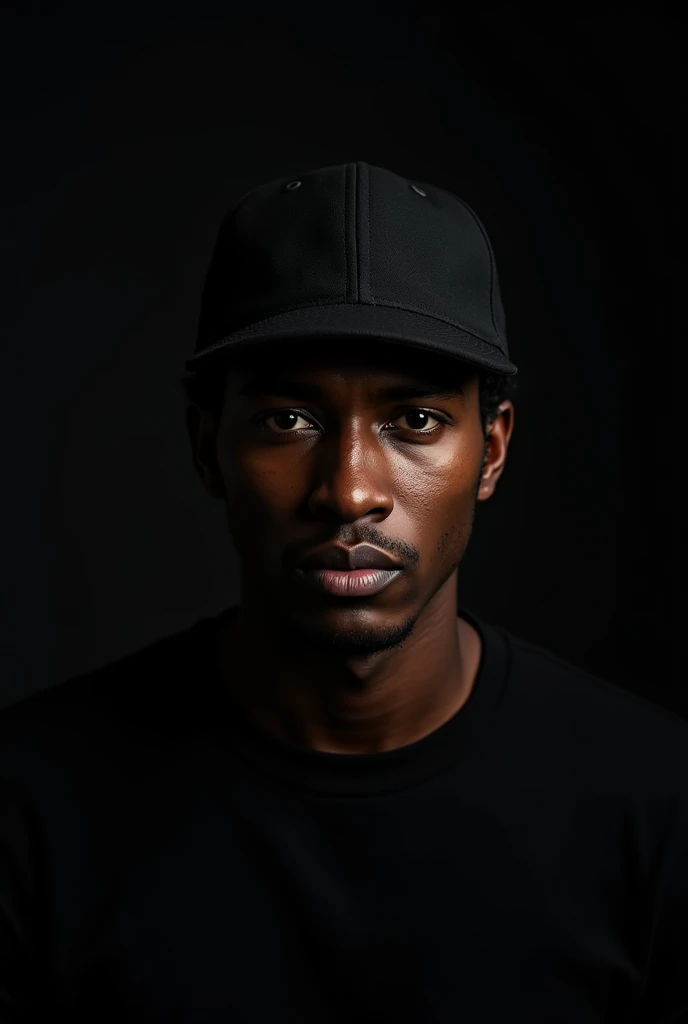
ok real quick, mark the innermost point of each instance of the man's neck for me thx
(413, 696)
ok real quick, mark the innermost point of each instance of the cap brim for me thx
(358, 320)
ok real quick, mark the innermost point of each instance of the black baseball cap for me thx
(353, 250)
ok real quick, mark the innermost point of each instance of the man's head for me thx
(305, 447)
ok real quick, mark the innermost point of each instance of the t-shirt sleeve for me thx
(665, 999)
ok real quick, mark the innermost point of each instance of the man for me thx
(345, 799)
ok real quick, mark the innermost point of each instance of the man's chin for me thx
(347, 641)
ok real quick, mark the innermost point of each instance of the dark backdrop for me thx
(129, 132)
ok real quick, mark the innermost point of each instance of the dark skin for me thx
(365, 675)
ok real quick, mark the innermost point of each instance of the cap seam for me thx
(347, 255)
(488, 246)
(369, 250)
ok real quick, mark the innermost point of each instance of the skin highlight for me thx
(349, 675)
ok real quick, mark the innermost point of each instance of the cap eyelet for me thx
(291, 186)
(420, 191)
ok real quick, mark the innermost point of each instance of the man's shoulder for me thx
(597, 713)
(542, 663)
(126, 693)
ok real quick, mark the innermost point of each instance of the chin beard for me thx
(356, 642)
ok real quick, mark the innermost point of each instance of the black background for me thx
(128, 132)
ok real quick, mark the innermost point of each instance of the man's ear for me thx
(497, 445)
(201, 427)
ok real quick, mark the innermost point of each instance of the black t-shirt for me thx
(164, 859)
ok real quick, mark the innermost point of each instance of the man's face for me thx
(308, 451)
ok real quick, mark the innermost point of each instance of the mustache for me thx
(352, 534)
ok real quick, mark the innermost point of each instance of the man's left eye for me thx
(424, 414)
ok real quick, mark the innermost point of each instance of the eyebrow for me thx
(305, 391)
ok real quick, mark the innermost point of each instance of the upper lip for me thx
(337, 556)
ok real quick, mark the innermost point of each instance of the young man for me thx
(345, 799)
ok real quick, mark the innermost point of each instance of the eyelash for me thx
(411, 408)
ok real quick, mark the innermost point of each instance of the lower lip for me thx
(350, 582)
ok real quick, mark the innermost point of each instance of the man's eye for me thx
(423, 415)
(287, 419)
